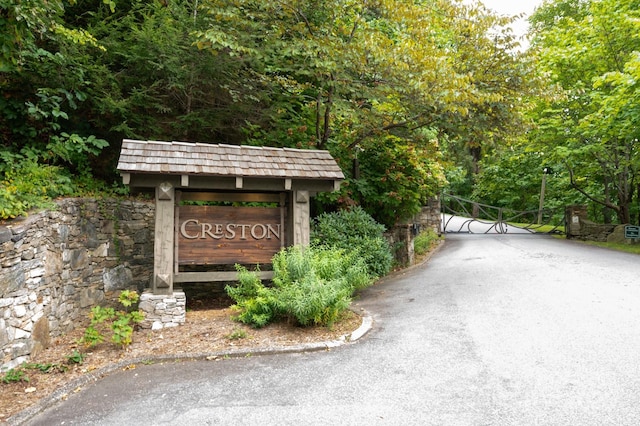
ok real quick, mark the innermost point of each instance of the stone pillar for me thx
(430, 216)
(164, 240)
(301, 213)
(575, 216)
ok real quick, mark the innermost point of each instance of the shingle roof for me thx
(186, 158)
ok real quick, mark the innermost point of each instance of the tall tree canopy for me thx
(591, 51)
(398, 84)
(384, 81)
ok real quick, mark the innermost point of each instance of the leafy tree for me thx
(369, 80)
(42, 76)
(589, 50)
(512, 180)
(394, 83)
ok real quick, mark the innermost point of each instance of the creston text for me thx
(192, 229)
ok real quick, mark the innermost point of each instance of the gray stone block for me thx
(41, 336)
(11, 279)
(4, 336)
(91, 297)
(5, 234)
(63, 232)
(78, 258)
(118, 278)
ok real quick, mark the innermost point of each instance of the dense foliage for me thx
(311, 286)
(409, 96)
(585, 128)
(590, 129)
(401, 85)
(315, 284)
(358, 234)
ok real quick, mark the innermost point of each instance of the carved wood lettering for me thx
(212, 235)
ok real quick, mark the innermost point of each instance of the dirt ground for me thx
(208, 331)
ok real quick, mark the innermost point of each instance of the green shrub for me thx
(26, 184)
(119, 322)
(314, 285)
(311, 286)
(355, 231)
(424, 240)
(29, 180)
(254, 301)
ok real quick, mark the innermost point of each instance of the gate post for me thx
(575, 215)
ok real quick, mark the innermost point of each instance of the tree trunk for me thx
(606, 211)
(476, 155)
(638, 200)
(624, 212)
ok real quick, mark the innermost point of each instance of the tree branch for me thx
(301, 15)
(575, 186)
(391, 126)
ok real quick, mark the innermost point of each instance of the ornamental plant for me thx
(311, 286)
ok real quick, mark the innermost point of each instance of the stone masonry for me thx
(57, 264)
(401, 236)
(163, 311)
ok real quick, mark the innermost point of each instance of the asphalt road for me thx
(493, 330)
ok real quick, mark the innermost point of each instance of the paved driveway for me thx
(494, 330)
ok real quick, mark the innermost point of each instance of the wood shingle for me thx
(180, 158)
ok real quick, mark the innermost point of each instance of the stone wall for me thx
(401, 236)
(55, 265)
(579, 227)
(430, 216)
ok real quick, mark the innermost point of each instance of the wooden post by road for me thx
(544, 181)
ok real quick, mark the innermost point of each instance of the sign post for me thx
(632, 232)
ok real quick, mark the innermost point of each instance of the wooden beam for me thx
(222, 183)
(239, 182)
(200, 277)
(232, 197)
(300, 220)
(184, 181)
(176, 227)
(126, 178)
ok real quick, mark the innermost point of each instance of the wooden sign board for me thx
(215, 235)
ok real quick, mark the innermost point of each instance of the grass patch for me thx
(538, 229)
(424, 241)
(628, 248)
